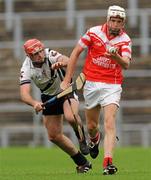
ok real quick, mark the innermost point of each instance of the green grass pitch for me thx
(53, 164)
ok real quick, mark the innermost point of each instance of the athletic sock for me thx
(96, 138)
(107, 161)
(79, 159)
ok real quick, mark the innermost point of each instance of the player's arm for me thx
(124, 58)
(71, 66)
(25, 93)
(57, 60)
(123, 61)
(62, 61)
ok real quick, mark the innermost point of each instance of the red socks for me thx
(107, 161)
(96, 138)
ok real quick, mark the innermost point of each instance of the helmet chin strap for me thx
(114, 32)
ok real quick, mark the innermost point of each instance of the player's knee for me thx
(92, 126)
(70, 117)
(109, 125)
(54, 138)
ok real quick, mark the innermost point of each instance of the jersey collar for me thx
(104, 28)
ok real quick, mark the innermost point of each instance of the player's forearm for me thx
(72, 63)
(123, 61)
(26, 95)
(64, 60)
(70, 71)
(28, 101)
(37, 105)
(26, 98)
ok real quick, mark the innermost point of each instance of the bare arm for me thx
(28, 99)
(123, 61)
(71, 66)
(64, 59)
(61, 62)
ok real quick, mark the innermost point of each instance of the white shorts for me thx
(98, 93)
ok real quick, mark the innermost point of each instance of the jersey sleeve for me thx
(54, 56)
(85, 40)
(127, 49)
(25, 73)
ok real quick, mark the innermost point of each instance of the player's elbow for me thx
(22, 97)
(126, 66)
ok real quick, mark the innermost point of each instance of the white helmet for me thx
(114, 11)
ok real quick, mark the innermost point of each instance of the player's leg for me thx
(110, 138)
(92, 97)
(110, 106)
(53, 125)
(92, 117)
(71, 108)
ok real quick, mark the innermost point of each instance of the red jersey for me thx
(97, 67)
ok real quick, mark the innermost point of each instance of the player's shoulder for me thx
(126, 37)
(26, 66)
(26, 61)
(51, 53)
(95, 28)
(47, 51)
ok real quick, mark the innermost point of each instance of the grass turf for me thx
(54, 164)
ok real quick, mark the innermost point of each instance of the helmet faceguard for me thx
(116, 11)
(33, 46)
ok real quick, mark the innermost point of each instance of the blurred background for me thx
(59, 24)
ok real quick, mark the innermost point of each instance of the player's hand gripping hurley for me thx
(77, 85)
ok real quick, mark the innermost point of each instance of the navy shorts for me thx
(57, 107)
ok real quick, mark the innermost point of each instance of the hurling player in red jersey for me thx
(108, 53)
